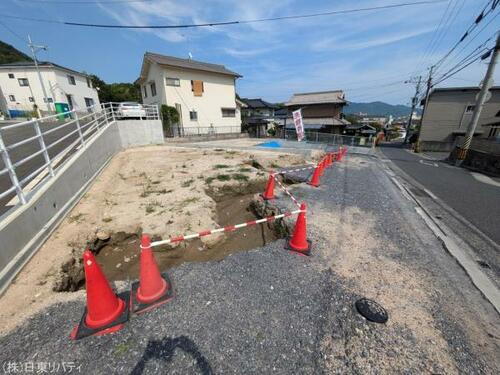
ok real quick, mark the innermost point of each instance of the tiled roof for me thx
(31, 64)
(322, 97)
(189, 64)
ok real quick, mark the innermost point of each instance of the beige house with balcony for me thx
(204, 94)
(449, 112)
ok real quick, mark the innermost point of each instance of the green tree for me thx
(169, 115)
(116, 92)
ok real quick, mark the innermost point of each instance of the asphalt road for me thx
(11, 136)
(477, 201)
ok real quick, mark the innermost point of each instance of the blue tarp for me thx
(272, 144)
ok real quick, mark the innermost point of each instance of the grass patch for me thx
(152, 206)
(231, 152)
(220, 166)
(187, 183)
(245, 170)
(240, 177)
(107, 219)
(223, 177)
(75, 218)
(274, 165)
(209, 180)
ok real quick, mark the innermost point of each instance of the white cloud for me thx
(336, 44)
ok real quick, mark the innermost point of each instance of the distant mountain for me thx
(377, 109)
(9, 54)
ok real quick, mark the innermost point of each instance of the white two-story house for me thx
(203, 94)
(21, 88)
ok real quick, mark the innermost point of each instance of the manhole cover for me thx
(371, 310)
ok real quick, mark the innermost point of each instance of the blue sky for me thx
(368, 54)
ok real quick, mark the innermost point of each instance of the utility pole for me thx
(427, 94)
(34, 49)
(413, 105)
(428, 90)
(480, 100)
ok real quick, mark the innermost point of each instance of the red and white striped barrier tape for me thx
(228, 228)
(296, 170)
(286, 191)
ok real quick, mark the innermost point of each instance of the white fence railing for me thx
(33, 151)
(332, 139)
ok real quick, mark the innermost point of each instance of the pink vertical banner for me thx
(299, 125)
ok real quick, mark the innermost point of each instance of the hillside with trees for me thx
(9, 54)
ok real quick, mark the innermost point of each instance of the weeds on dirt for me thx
(274, 165)
(223, 177)
(209, 180)
(107, 219)
(219, 149)
(240, 177)
(187, 183)
(245, 170)
(220, 166)
(151, 206)
(75, 218)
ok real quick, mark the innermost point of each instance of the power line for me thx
(13, 32)
(474, 37)
(449, 74)
(84, 2)
(226, 23)
(492, 4)
(436, 32)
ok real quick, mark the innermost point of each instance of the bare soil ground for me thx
(163, 191)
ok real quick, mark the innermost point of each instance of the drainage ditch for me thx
(118, 253)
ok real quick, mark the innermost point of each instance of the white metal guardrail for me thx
(52, 138)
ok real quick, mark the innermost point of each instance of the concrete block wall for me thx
(24, 230)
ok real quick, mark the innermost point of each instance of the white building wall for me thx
(219, 92)
(56, 86)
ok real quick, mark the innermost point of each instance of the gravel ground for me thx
(269, 310)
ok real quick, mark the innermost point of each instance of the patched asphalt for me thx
(262, 311)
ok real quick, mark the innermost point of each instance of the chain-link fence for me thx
(331, 139)
(180, 131)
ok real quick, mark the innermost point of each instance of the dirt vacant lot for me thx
(163, 191)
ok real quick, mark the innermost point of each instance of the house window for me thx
(11, 75)
(89, 82)
(193, 115)
(470, 108)
(89, 102)
(153, 88)
(197, 87)
(12, 98)
(228, 112)
(172, 81)
(145, 89)
(71, 80)
(23, 81)
(31, 99)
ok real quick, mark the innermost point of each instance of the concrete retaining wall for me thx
(28, 226)
(140, 133)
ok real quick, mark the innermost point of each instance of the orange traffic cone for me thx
(299, 241)
(315, 177)
(269, 193)
(322, 168)
(105, 312)
(153, 288)
(329, 158)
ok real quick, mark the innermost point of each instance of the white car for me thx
(130, 110)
